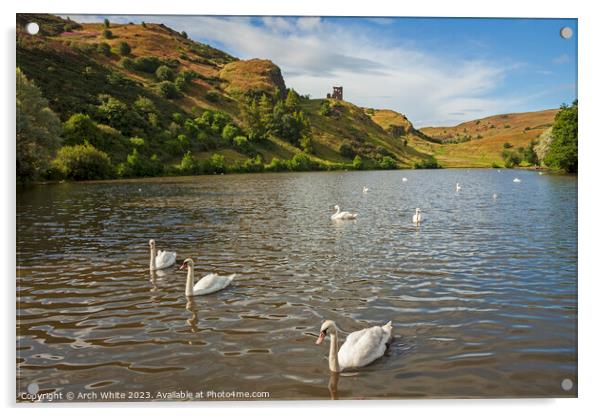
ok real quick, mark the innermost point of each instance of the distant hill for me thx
(479, 143)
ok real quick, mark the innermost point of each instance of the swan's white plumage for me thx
(417, 218)
(208, 284)
(160, 259)
(342, 215)
(364, 346)
(212, 283)
(165, 259)
(516, 180)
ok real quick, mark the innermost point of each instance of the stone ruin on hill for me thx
(337, 93)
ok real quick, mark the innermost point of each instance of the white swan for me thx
(207, 284)
(494, 196)
(342, 215)
(417, 218)
(162, 259)
(404, 179)
(458, 187)
(365, 190)
(516, 180)
(360, 348)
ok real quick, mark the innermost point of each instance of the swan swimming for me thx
(494, 196)
(360, 348)
(207, 284)
(516, 180)
(162, 259)
(417, 218)
(342, 215)
(404, 179)
(365, 190)
(458, 187)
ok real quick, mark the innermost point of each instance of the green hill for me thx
(159, 103)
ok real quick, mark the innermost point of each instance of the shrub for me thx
(306, 144)
(277, 165)
(511, 159)
(189, 164)
(104, 48)
(387, 162)
(229, 132)
(167, 89)
(137, 141)
(217, 164)
(346, 150)
(148, 64)
(301, 162)
(139, 165)
(357, 162)
(212, 96)
(164, 73)
(507, 145)
(124, 48)
(254, 164)
(107, 23)
(107, 34)
(184, 35)
(428, 163)
(127, 63)
(325, 109)
(83, 162)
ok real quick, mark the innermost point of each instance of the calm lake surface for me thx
(483, 295)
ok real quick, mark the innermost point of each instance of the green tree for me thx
(38, 130)
(184, 35)
(292, 101)
(107, 34)
(387, 162)
(83, 162)
(357, 162)
(164, 73)
(124, 48)
(346, 150)
(104, 48)
(167, 89)
(563, 151)
(107, 23)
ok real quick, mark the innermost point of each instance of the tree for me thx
(164, 73)
(292, 101)
(184, 35)
(83, 162)
(104, 48)
(167, 89)
(38, 130)
(107, 34)
(124, 48)
(357, 162)
(563, 152)
(346, 150)
(107, 23)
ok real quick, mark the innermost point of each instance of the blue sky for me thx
(437, 71)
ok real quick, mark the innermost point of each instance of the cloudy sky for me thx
(436, 71)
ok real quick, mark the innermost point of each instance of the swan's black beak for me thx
(321, 337)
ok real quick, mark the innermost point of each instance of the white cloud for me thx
(562, 59)
(315, 55)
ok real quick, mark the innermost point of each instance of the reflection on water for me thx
(482, 295)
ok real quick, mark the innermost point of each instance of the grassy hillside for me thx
(479, 143)
(149, 82)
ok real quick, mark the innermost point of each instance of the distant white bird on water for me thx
(458, 187)
(541, 173)
(417, 218)
(342, 215)
(494, 196)
(516, 180)
(365, 190)
(404, 179)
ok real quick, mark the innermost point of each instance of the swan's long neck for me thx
(333, 359)
(153, 256)
(190, 281)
